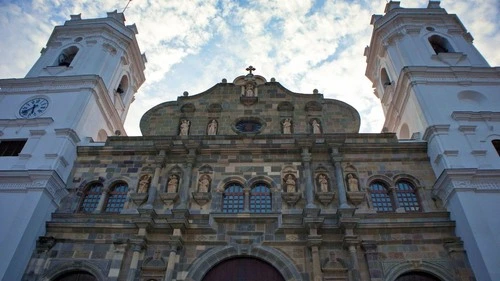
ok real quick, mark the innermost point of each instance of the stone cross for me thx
(250, 69)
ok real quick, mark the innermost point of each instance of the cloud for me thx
(191, 45)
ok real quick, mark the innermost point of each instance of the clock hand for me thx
(33, 108)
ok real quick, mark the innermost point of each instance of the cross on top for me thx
(250, 69)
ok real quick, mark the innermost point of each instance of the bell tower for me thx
(435, 86)
(78, 92)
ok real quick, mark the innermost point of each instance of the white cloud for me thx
(192, 45)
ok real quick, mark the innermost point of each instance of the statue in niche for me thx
(323, 183)
(352, 182)
(144, 183)
(249, 90)
(184, 127)
(204, 183)
(212, 128)
(173, 182)
(290, 184)
(316, 127)
(287, 126)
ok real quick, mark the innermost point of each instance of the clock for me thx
(33, 108)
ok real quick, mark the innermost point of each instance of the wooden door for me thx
(417, 276)
(77, 276)
(243, 269)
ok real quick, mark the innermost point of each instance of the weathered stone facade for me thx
(320, 221)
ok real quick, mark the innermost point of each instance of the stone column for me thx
(339, 175)
(246, 199)
(155, 187)
(348, 223)
(372, 260)
(354, 261)
(394, 197)
(313, 223)
(186, 179)
(103, 198)
(169, 273)
(317, 274)
(137, 248)
(309, 188)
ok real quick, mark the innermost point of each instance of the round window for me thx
(248, 126)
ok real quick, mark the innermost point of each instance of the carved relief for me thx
(352, 183)
(315, 126)
(144, 183)
(323, 191)
(184, 127)
(289, 184)
(287, 126)
(204, 183)
(322, 183)
(172, 184)
(212, 128)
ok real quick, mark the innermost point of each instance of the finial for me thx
(250, 69)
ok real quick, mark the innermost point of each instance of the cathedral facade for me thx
(249, 180)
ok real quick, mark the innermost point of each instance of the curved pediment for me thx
(279, 111)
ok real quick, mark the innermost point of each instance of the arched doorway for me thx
(79, 275)
(417, 276)
(243, 269)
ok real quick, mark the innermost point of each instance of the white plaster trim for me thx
(474, 116)
(460, 180)
(434, 130)
(70, 133)
(35, 122)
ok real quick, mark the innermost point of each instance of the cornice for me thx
(460, 180)
(434, 130)
(475, 116)
(411, 76)
(31, 180)
(347, 143)
(35, 122)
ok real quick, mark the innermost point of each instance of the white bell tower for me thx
(435, 86)
(79, 91)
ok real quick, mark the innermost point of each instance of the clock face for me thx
(33, 108)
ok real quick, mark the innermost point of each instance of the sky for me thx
(193, 44)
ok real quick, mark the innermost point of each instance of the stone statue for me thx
(287, 126)
(290, 184)
(352, 183)
(144, 182)
(249, 90)
(323, 183)
(184, 128)
(212, 128)
(316, 127)
(204, 183)
(173, 182)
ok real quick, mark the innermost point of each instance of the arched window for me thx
(123, 86)
(67, 56)
(260, 199)
(496, 145)
(384, 78)
(233, 199)
(440, 44)
(380, 197)
(407, 197)
(91, 197)
(79, 275)
(116, 198)
(404, 131)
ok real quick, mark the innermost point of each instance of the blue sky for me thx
(191, 45)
